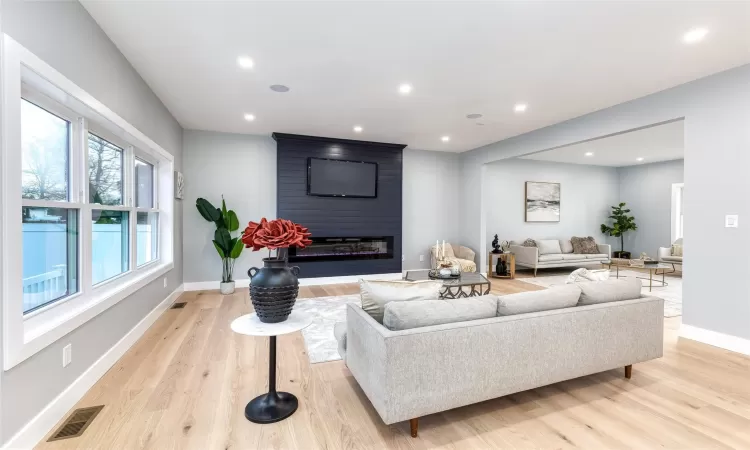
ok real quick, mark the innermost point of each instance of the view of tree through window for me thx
(45, 144)
(105, 171)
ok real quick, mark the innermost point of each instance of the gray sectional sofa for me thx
(544, 256)
(455, 353)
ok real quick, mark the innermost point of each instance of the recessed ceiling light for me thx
(589, 153)
(520, 107)
(445, 138)
(279, 88)
(694, 35)
(640, 158)
(404, 88)
(245, 62)
(357, 129)
(249, 117)
(473, 116)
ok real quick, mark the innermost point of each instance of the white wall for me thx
(716, 111)
(586, 195)
(431, 204)
(647, 190)
(66, 37)
(243, 169)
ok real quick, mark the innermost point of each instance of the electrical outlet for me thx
(165, 281)
(67, 354)
(421, 258)
(732, 221)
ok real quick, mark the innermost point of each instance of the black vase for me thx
(273, 290)
(500, 268)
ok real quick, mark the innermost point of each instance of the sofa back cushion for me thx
(423, 313)
(557, 297)
(612, 290)
(376, 294)
(549, 247)
(566, 246)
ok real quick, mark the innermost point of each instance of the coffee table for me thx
(652, 269)
(454, 287)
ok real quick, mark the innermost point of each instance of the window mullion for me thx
(86, 266)
(84, 161)
(129, 188)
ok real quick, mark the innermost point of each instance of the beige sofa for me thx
(543, 257)
(420, 369)
(463, 256)
(665, 254)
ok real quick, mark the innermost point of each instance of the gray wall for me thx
(647, 189)
(716, 111)
(431, 204)
(586, 195)
(66, 37)
(243, 169)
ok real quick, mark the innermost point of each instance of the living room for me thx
(411, 228)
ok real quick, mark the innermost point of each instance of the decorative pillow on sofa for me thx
(549, 247)
(566, 246)
(676, 249)
(557, 297)
(375, 294)
(593, 292)
(584, 246)
(528, 243)
(423, 313)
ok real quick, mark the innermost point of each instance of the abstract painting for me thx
(542, 202)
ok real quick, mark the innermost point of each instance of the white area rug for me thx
(671, 294)
(326, 311)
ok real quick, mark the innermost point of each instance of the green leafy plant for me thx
(228, 247)
(621, 224)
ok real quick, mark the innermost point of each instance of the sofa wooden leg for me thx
(414, 425)
(628, 371)
(534, 272)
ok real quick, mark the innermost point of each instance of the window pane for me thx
(50, 255)
(45, 142)
(110, 248)
(147, 237)
(144, 184)
(105, 172)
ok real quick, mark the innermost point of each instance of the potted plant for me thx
(621, 224)
(274, 288)
(228, 247)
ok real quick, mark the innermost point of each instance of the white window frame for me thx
(678, 202)
(24, 74)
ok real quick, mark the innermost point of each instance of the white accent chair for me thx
(463, 256)
(665, 254)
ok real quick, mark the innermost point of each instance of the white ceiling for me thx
(344, 62)
(654, 144)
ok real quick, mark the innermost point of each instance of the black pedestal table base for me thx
(272, 406)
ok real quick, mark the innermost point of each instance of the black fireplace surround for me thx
(351, 236)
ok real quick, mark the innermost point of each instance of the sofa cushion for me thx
(423, 313)
(566, 246)
(548, 258)
(597, 256)
(573, 257)
(672, 258)
(584, 246)
(612, 290)
(549, 247)
(376, 294)
(557, 297)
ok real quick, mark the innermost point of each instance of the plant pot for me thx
(226, 287)
(621, 255)
(273, 290)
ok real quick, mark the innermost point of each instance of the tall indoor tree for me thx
(621, 224)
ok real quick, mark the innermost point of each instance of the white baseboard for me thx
(721, 340)
(214, 285)
(38, 427)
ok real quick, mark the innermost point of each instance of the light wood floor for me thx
(185, 384)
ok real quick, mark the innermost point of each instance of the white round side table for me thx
(272, 406)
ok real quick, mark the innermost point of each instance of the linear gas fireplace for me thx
(344, 249)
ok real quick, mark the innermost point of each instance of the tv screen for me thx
(339, 178)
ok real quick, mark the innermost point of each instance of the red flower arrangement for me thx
(275, 234)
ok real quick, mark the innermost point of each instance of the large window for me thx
(45, 142)
(105, 171)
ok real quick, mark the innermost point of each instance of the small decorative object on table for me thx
(647, 260)
(228, 247)
(442, 274)
(496, 248)
(274, 288)
(456, 270)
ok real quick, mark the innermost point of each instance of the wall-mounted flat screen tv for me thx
(340, 178)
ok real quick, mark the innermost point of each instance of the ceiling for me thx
(344, 62)
(654, 144)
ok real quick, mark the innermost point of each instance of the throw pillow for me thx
(549, 247)
(557, 297)
(424, 313)
(677, 250)
(587, 275)
(593, 292)
(376, 294)
(566, 246)
(584, 246)
(529, 243)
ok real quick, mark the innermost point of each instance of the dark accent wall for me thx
(339, 216)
